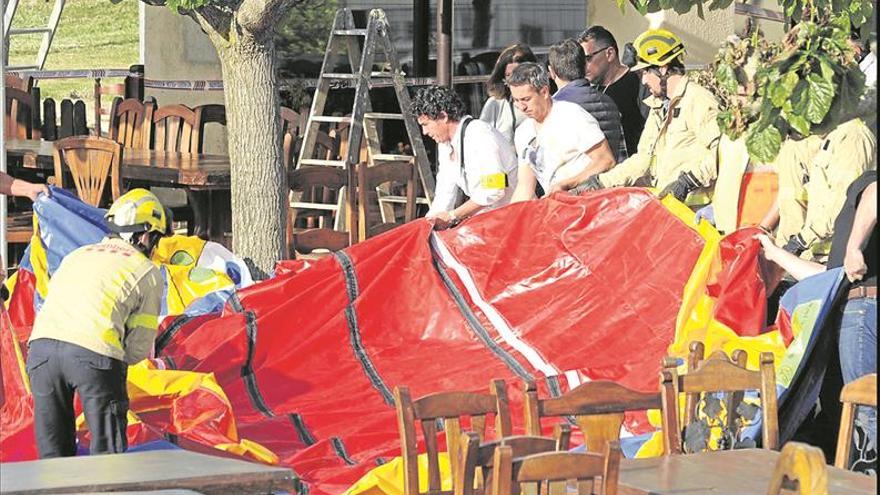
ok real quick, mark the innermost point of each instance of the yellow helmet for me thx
(137, 210)
(656, 47)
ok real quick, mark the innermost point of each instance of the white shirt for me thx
(557, 151)
(487, 155)
(868, 65)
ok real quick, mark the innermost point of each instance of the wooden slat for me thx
(453, 404)
(143, 471)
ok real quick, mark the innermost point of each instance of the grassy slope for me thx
(92, 34)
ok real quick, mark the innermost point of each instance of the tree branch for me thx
(258, 16)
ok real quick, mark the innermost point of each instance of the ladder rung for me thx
(22, 67)
(30, 30)
(350, 32)
(383, 116)
(385, 157)
(326, 163)
(336, 75)
(314, 206)
(331, 118)
(401, 200)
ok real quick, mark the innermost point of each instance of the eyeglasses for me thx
(590, 56)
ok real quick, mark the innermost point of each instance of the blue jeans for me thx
(858, 357)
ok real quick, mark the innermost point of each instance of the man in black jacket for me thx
(567, 62)
(605, 71)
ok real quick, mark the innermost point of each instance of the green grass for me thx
(92, 34)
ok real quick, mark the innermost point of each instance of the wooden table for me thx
(144, 471)
(206, 178)
(733, 472)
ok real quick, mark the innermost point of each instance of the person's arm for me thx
(525, 183)
(447, 219)
(16, 187)
(796, 267)
(771, 218)
(627, 172)
(601, 160)
(143, 322)
(703, 119)
(446, 193)
(863, 224)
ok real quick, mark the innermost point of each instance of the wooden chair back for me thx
(111, 90)
(317, 192)
(174, 129)
(339, 134)
(475, 469)
(860, 392)
(131, 122)
(292, 129)
(403, 174)
(206, 114)
(597, 407)
(800, 469)
(450, 408)
(91, 160)
(592, 473)
(19, 83)
(719, 374)
(19, 114)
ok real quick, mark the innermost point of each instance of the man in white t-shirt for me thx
(473, 158)
(560, 143)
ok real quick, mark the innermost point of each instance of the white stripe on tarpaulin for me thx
(495, 318)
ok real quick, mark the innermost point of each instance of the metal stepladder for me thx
(48, 33)
(363, 122)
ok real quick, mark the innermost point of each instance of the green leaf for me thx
(763, 143)
(726, 77)
(798, 123)
(781, 89)
(819, 95)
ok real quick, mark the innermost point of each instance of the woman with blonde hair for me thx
(499, 111)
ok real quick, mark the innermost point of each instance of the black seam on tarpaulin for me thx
(169, 333)
(354, 334)
(302, 488)
(235, 302)
(553, 386)
(169, 363)
(305, 436)
(339, 448)
(247, 371)
(476, 327)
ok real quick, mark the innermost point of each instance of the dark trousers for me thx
(57, 370)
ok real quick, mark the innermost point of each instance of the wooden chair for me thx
(369, 179)
(19, 114)
(316, 210)
(719, 373)
(116, 90)
(475, 468)
(91, 160)
(598, 409)
(19, 83)
(131, 122)
(450, 407)
(800, 469)
(861, 392)
(173, 129)
(206, 114)
(557, 468)
(292, 128)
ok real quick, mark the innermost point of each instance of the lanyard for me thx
(464, 125)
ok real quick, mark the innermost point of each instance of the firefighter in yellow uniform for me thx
(677, 151)
(99, 316)
(746, 191)
(812, 191)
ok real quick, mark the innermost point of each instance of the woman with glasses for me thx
(499, 111)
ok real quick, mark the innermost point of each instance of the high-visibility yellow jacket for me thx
(685, 139)
(104, 297)
(834, 162)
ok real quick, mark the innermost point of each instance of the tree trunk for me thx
(259, 180)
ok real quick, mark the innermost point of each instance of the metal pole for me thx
(3, 245)
(421, 36)
(444, 42)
